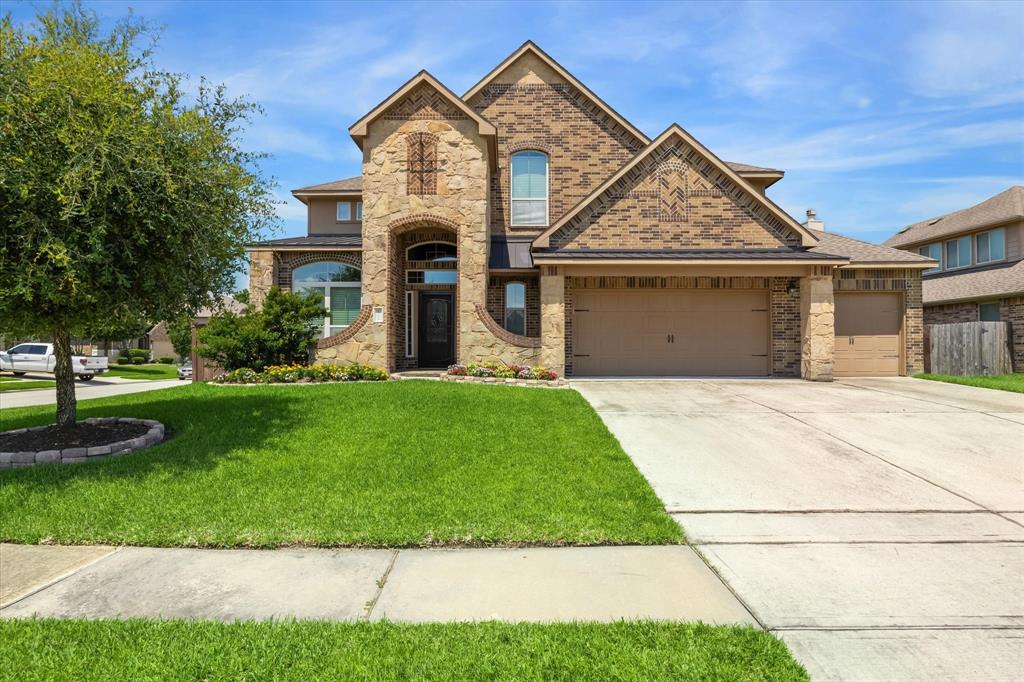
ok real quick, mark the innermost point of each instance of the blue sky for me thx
(881, 114)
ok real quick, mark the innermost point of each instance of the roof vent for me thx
(935, 220)
(812, 221)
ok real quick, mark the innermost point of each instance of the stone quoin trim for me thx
(348, 332)
(504, 334)
(154, 436)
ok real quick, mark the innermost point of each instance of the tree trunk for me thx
(64, 373)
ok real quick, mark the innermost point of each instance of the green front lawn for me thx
(182, 650)
(403, 463)
(15, 384)
(1002, 382)
(153, 371)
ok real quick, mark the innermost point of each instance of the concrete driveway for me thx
(100, 387)
(876, 525)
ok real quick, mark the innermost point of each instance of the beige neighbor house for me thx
(526, 221)
(980, 270)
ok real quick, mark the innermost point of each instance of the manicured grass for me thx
(153, 371)
(405, 463)
(182, 650)
(1002, 382)
(12, 384)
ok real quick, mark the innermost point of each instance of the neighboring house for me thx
(203, 369)
(527, 221)
(160, 345)
(980, 274)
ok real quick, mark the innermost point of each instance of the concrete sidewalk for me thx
(97, 388)
(536, 584)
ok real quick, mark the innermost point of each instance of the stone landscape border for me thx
(538, 383)
(154, 436)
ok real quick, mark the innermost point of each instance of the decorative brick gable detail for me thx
(421, 171)
(424, 103)
(584, 145)
(675, 198)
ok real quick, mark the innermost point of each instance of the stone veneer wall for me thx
(817, 326)
(784, 310)
(496, 300)
(906, 281)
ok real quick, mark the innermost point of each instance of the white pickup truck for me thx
(38, 357)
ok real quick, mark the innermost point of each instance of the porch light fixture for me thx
(793, 291)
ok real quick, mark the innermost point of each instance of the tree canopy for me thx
(122, 197)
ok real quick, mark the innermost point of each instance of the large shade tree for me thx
(120, 195)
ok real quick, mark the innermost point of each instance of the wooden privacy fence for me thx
(969, 348)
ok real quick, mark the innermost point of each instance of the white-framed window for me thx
(933, 251)
(410, 324)
(339, 284)
(344, 212)
(431, 277)
(991, 245)
(958, 253)
(359, 210)
(515, 308)
(989, 312)
(529, 185)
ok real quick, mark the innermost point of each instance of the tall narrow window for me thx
(359, 210)
(515, 308)
(422, 158)
(529, 188)
(991, 245)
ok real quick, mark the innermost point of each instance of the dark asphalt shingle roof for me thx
(1003, 207)
(339, 240)
(688, 254)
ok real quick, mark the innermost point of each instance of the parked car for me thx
(38, 357)
(185, 371)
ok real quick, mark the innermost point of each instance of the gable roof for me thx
(529, 47)
(1001, 280)
(359, 128)
(866, 253)
(1003, 207)
(675, 130)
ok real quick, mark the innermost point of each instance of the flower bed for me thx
(89, 438)
(502, 373)
(303, 374)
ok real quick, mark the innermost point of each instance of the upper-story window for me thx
(529, 188)
(515, 308)
(421, 150)
(991, 245)
(958, 253)
(933, 251)
(347, 211)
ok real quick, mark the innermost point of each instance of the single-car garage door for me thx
(670, 332)
(868, 334)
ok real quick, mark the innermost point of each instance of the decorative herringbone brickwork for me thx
(584, 145)
(675, 198)
(424, 103)
(421, 173)
(496, 300)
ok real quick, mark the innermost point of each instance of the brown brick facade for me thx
(496, 300)
(583, 144)
(674, 198)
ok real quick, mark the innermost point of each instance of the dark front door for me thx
(437, 330)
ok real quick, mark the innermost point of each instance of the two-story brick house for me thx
(979, 274)
(527, 221)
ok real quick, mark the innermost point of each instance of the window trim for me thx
(410, 324)
(433, 241)
(547, 189)
(298, 285)
(507, 307)
(358, 211)
(432, 284)
(945, 252)
(941, 259)
(337, 211)
(977, 251)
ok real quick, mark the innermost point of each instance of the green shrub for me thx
(138, 361)
(164, 360)
(278, 334)
(138, 353)
(302, 374)
(122, 360)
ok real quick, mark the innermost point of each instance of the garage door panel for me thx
(868, 339)
(671, 332)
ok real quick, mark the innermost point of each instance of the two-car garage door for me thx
(695, 332)
(644, 332)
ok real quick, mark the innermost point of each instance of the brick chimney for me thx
(812, 221)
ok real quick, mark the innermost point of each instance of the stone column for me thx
(817, 323)
(552, 319)
(262, 275)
